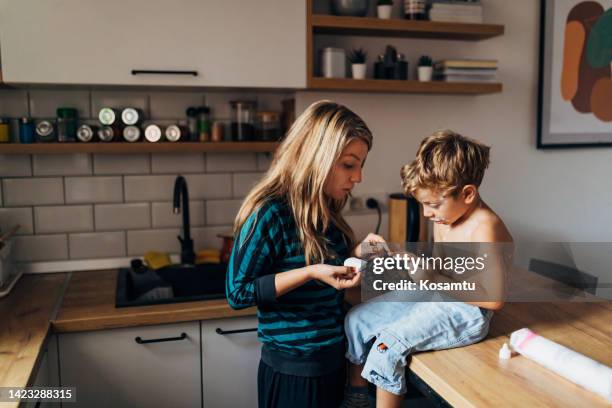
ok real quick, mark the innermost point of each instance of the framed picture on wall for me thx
(575, 95)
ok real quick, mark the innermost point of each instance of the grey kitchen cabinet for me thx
(230, 358)
(124, 368)
(47, 374)
(238, 43)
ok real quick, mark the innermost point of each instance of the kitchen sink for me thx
(171, 284)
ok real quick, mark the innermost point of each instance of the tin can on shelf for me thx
(333, 62)
(131, 116)
(45, 131)
(108, 116)
(85, 133)
(131, 134)
(174, 133)
(153, 133)
(108, 133)
(27, 132)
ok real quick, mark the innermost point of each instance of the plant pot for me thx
(384, 11)
(359, 71)
(425, 74)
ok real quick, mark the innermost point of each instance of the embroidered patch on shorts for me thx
(382, 348)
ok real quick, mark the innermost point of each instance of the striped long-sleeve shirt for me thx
(303, 321)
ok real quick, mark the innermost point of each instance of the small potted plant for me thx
(425, 69)
(384, 8)
(358, 63)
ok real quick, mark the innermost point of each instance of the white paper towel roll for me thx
(574, 366)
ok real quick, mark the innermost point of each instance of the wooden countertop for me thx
(475, 377)
(89, 304)
(24, 325)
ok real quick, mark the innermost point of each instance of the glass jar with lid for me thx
(268, 126)
(243, 120)
(67, 120)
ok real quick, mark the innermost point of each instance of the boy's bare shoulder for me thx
(490, 228)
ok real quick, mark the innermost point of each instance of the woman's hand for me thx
(339, 277)
(370, 239)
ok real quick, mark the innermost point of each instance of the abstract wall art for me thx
(575, 98)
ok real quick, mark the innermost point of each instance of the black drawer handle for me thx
(139, 339)
(224, 332)
(163, 72)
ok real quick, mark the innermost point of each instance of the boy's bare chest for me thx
(444, 233)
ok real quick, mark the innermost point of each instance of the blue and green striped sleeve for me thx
(250, 279)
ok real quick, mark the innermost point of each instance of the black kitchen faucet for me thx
(180, 189)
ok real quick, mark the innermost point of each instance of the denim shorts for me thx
(383, 333)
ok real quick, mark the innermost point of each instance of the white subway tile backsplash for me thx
(206, 238)
(222, 212)
(230, 162)
(163, 240)
(207, 186)
(97, 245)
(62, 164)
(33, 191)
(32, 248)
(21, 216)
(44, 103)
(244, 182)
(177, 163)
(163, 217)
(109, 217)
(68, 218)
(13, 103)
(263, 161)
(94, 190)
(121, 164)
(15, 165)
(119, 100)
(148, 188)
(173, 105)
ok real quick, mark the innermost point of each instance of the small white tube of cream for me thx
(357, 264)
(576, 367)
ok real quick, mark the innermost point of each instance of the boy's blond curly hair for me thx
(446, 162)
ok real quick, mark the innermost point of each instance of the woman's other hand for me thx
(339, 277)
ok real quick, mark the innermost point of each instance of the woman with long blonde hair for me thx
(290, 244)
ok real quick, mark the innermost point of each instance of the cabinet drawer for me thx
(143, 366)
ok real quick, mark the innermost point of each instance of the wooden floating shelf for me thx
(139, 147)
(327, 24)
(398, 86)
